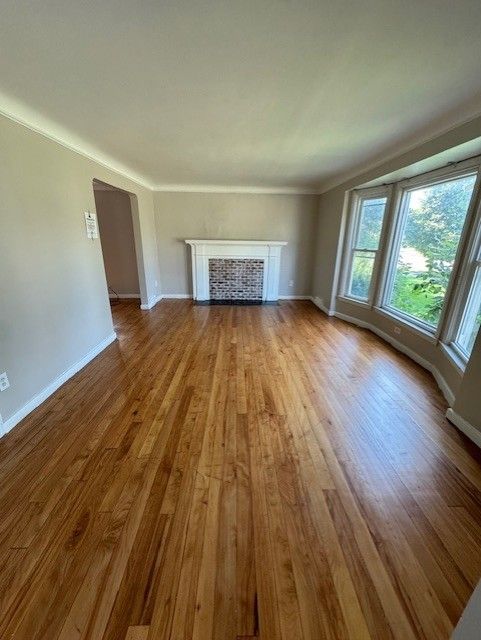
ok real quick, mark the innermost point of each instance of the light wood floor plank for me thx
(234, 473)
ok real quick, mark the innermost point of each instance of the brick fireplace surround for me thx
(236, 279)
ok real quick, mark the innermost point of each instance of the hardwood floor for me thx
(239, 472)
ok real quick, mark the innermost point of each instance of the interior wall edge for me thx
(47, 391)
(151, 302)
(50, 131)
(463, 425)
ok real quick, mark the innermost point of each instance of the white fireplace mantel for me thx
(267, 250)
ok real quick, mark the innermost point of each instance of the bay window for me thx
(413, 252)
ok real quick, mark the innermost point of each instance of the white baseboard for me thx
(441, 382)
(463, 425)
(34, 402)
(320, 304)
(152, 302)
(177, 296)
(122, 296)
(294, 297)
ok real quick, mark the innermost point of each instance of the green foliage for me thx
(361, 275)
(416, 297)
(372, 214)
(433, 228)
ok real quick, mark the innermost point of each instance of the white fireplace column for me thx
(267, 250)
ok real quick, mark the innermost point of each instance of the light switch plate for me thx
(4, 383)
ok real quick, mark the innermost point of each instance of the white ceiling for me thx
(251, 93)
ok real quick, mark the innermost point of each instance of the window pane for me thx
(433, 224)
(361, 272)
(370, 223)
(471, 321)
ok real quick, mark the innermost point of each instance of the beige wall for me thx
(236, 217)
(332, 214)
(117, 241)
(53, 296)
(468, 400)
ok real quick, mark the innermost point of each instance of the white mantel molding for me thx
(267, 250)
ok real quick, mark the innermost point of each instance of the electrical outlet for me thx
(4, 383)
(397, 330)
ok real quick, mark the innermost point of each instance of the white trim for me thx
(441, 382)
(215, 188)
(364, 304)
(45, 127)
(456, 359)
(34, 402)
(352, 215)
(114, 296)
(151, 302)
(295, 297)
(269, 251)
(261, 243)
(443, 174)
(320, 304)
(463, 425)
(377, 165)
(470, 167)
(29, 118)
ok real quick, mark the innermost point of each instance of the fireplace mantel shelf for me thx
(267, 250)
(269, 243)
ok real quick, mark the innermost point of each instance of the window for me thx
(413, 251)
(366, 234)
(470, 317)
(429, 227)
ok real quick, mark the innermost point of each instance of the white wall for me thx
(117, 241)
(236, 217)
(53, 296)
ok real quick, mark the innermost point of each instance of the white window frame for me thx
(392, 248)
(466, 263)
(354, 212)
(470, 264)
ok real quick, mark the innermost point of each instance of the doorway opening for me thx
(119, 231)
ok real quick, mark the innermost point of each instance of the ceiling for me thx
(257, 94)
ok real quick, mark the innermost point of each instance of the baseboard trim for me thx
(319, 303)
(34, 402)
(122, 296)
(463, 425)
(441, 382)
(294, 297)
(177, 296)
(151, 302)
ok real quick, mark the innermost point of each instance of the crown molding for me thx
(213, 188)
(30, 119)
(341, 179)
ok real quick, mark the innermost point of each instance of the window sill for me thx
(454, 357)
(362, 303)
(411, 326)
